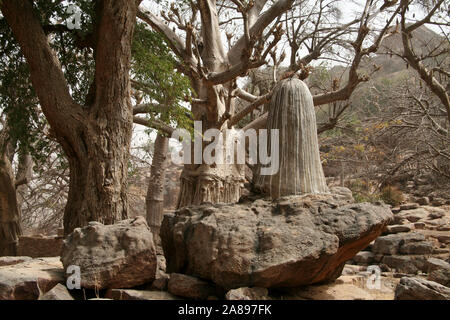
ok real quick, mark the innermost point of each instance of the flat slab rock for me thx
(420, 289)
(124, 294)
(29, 279)
(291, 242)
(10, 261)
(122, 255)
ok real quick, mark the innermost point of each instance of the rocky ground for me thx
(345, 251)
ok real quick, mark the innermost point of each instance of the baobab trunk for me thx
(155, 192)
(211, 183)
(292, 113)
(10, 229)
(221, 183)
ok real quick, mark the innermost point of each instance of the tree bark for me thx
(212, 72)
(155, 192)
(95, 137)
(10, 228)
(300, 169)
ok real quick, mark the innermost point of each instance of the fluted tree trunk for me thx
(155, 190)
(292, 112)
(96, 136)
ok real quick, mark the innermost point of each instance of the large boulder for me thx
(395, 243)
(294, 241)
(122, 255)
(410, 264)
(420, 289)
(30, 279)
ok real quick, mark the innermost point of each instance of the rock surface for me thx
(29, 279)
(364, 257)
(10, 261)
(345, 288)
(248, 294)
(123, 294)
(112, 256)
(294, 241)
(420, 289)
(392, 243)
(190, 287)
(438, 271)
(59, 292)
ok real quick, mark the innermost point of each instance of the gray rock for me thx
(398, 229)
(112, 256)
(409, 206)
(436, 215)
(419, 225)
(438, 271)
(190, 287)
(406, 264)
(254, 293)
(390, 244)
(441, 276)
(124, 294)
(30, 279)
(395, 210)
(423, 201)
(420, 289)
(295, 241)
(364, 257)
(435, 264)
(437, 202)
(161, 281)
(415, 215)
(422, 247)
(350, 269)
(59, 292)
(342, 194)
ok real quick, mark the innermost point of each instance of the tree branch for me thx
(154, 124)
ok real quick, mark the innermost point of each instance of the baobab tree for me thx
(213, 71)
